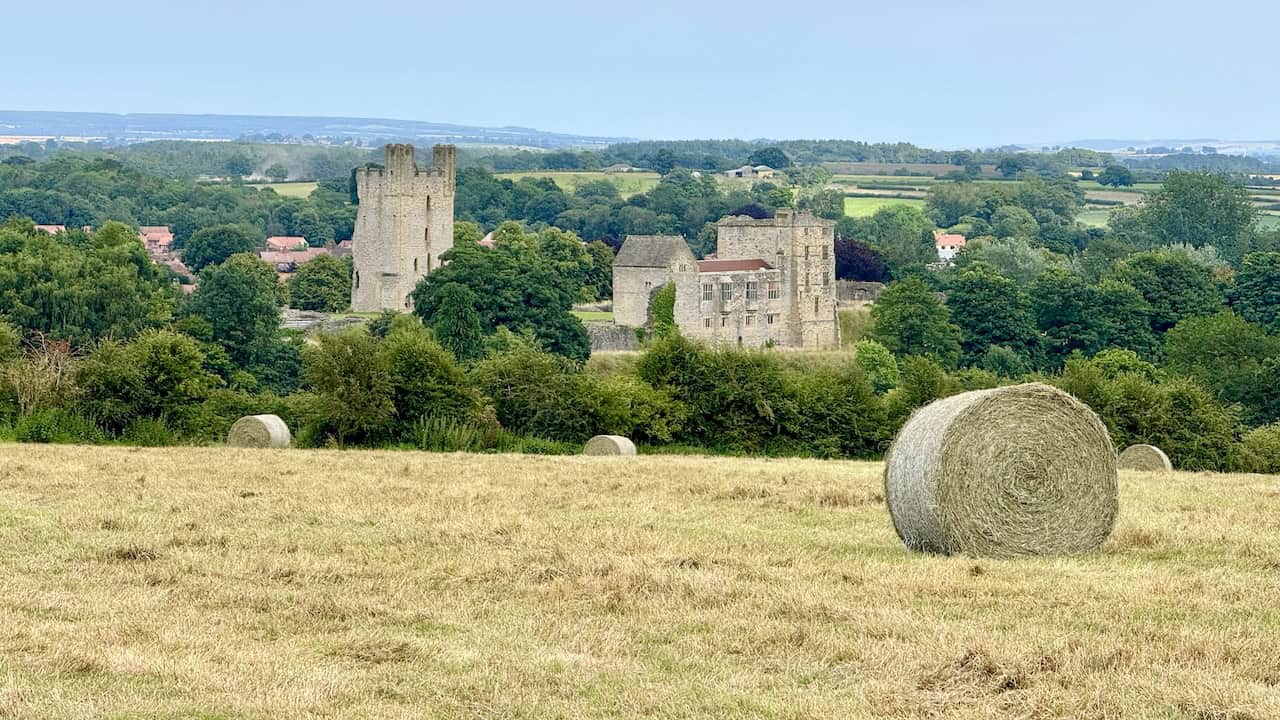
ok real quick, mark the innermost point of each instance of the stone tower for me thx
(403, 224)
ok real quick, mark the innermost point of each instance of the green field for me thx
(865, 206)
(1270, 221)
(291, 189)
(628, 184)
(1094, 217)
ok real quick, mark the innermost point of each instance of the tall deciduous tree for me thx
(457, 324)
(212, 245)
(241, 300)
(910, 320)
(322, 284)
(991, 310)
(1201, 208)
(1258, 290)
(1172, 284)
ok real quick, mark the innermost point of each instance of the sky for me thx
(939, 73)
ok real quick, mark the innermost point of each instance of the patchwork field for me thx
(628, 184)
(217, 583)
(865, 206)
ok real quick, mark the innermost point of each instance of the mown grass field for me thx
(865, 206)
(291, 189)
(226, 584)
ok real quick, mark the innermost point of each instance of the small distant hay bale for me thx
(1147, 458)
(260, 431)
(1015, 471)
(609, 445)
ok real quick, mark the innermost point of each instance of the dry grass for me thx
(219, 583)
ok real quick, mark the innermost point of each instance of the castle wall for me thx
(632, 287)
(403, 224)
(738, 319)
(802, 249)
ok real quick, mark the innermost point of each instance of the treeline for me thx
(681, 204)
(77, 190)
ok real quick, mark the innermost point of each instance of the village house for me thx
(286, 242)
(51, 229)
(772, 283)
(949, 245)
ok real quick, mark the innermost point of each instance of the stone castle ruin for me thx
(403, 224)
(772, 283)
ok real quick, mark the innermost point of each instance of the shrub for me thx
(877, 364)
(662, 307)
(1003, 362)
(1259, 451)
(149, 432)
(58, 426)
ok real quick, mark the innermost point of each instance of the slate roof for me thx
(706, 266)
(656, 251)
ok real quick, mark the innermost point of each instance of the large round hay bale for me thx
(1018, 470)
(1147, 458)
(609, 445)
(260, 431)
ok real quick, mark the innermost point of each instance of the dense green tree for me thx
(526, 281)
(1116, 176)
(948, 203)
(79, 293)
(468, 232)
(1013, 257)
(352, 384)
(599, 276)
(1174, 286)
(1257, 291)
(322, 284)
(992, 310)
(1226, 354)
(1012, 221)
(277, 172)
(239, 165)
(910, 320)
(1075, 316)
(426, 380)
(213, 245)
(774, 157)
(241, 301)
(878, 365)
(1200, 208)
(457, 324)
(902, 236)
(160, 375)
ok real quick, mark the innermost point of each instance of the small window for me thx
(815, 306)
(357, 279)
(724, 321)
(771, 318)
(726, 292)
(752, 292)
(706, 322)
(683, 267)
(415, 265)
(707, 289)
(647, 285)
(751, 320)
(806, 252)
(775, 289)
(824, 252)
(826, 280)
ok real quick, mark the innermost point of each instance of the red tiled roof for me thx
(285, 242)
(732, 265)
(291, 257)
(154, 229)
(942, 239)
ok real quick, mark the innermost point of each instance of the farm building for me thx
(748, 171)
(772, 283)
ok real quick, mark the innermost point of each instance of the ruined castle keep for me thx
(403, 224)
(772, 283)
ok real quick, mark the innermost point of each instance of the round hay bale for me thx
(260, 431)
(1014, 471)
(1147, 458)
(609, 445)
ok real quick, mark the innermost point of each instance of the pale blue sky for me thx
(937, 73)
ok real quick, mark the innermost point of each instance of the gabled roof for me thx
(655, 251)
(285, 242)
(708, 266)
(944, 239)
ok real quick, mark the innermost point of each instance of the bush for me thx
(58, 426)
(1259, 451)
(149, 432)
(877, 364)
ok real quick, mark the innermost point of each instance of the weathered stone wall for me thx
(737, 320)
(853, 292)
(632, 287)
(403, 224)
(802, 248)
(610, 337)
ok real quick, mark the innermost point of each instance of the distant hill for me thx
(128, 129)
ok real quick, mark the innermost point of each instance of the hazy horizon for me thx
(937, 75)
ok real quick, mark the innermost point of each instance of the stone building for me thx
(772, 283)
(403, 224)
